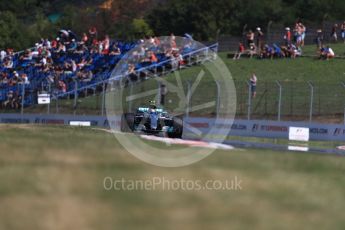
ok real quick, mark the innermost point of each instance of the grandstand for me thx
(64, 66)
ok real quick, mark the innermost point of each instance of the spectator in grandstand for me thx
(299, 34)
(240, 51)
(303, 30)
(131, 73)
(334, 33)
(323, 53)
(287, 36)
(10, 52)
(9, 100)
(81, 49)
(250, 38)
(106, 45)
(12, 100)
(252, 50)
(326, 53)
(84, 62)
(45, 52)
(72, 46)
(267, 52)
(42, 62)
(173, 45)
(24, 79)
(330, 53)
(294, 51)
(100, 47)
(84, 39)
(27, 55)
(62, 86)
(61, 48)
(253, 81)
(93, 35)
(342, 28)
(278, 51)
(259, 39)
(85, 75)
(8, 63)
(47, 43)
(3, 54)
(179, 57)
(4, 78)
(175, 60)
(16, 77)
(114, 51)
(54, 44)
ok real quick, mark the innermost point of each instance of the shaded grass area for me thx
(52, 178)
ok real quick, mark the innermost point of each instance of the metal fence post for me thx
(343, 84)
(218, 99)
(249, 100)
(268, 32)
(57, 104)
(158, 95)
(23, 99)
(75, 96)
(49, 92)
(311, 86)
(280, 100)
(103, 98)
(189, 97)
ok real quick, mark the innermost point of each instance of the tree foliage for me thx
(204, 18)
(24, 22)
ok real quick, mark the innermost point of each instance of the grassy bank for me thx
(52, 178)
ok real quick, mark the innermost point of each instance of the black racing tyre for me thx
(178, 129)
(127, 122)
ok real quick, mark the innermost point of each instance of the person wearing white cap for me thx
(287, 36)
(259, 39)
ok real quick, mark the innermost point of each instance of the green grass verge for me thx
(52, 178)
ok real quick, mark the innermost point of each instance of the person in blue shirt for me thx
(278, 51)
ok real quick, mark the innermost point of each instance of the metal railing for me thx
(276, 100)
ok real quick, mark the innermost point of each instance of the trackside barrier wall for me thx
(98, 121)
(219, 127)
(257, 128)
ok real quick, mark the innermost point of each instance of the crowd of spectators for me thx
(291, 45)
(54, 61)
(63, 60)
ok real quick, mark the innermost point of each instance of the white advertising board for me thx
(80, 123)
(43, 99)
(298, 134)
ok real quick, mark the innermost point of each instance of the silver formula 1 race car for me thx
(152, 120)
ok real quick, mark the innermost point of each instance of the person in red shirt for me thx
(240, 51)
(106, 45)
(92, 35)
(54, 44)
(153, 58)
(84, 39)
(62, 86)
